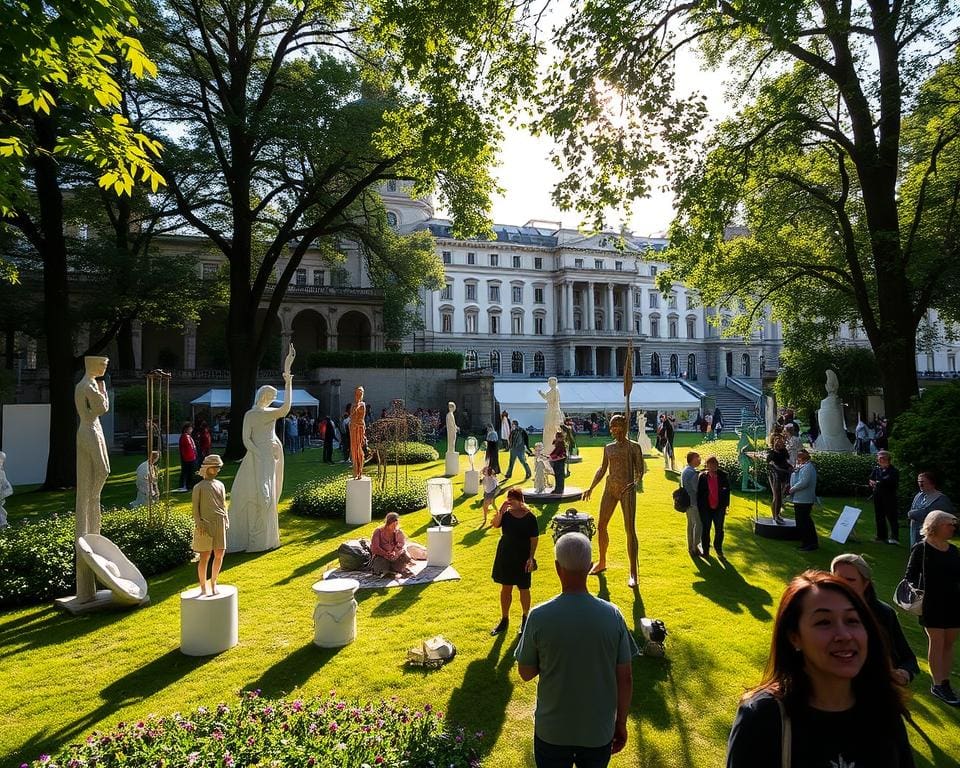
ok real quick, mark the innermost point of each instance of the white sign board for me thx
(848, 518)
(26, 441)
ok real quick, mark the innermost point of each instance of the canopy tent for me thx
(521, 401)
(220, 398)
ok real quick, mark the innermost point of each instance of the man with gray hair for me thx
(581, 649)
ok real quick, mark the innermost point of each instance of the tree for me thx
(810, 166)
(289, 115)
(59, 99)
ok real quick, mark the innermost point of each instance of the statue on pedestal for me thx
(210, 521)
(452, 428)
(470, 445)
(553, 418)
(259, 482)
(5, 490)
(833, 430)
(643, 439)
(93, 461)
(541, 468)
(358, 433)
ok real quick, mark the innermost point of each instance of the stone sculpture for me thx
(541, 468)
(643, 440)
(5, 490)
(358, 433)
(833, 430)
(112, 569)
(452, 428)
(553, 418)
(470, 446)
(259, 482)
(147, 489)
(210, 521)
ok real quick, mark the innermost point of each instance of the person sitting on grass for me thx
(389, 548)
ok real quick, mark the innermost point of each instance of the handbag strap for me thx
(786, 736)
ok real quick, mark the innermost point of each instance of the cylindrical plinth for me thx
(208, 623)
(335, 616)
(451, 463)
(359, 501)
(440, 546)
(471, 482)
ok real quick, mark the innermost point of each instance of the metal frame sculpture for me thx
(388, 435)
(158, 413)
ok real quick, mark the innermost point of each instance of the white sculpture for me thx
(113, 569)
(642, 438)
(470, 446)
(833, 430)
(553, 417)
(93, 462)
(541, 468)
(147, 489)
(452, 428)
(254, 523)
(5, 490)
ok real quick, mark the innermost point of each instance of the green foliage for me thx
(323, 732)
(803, 365)
(408, 453)
(385, 360)
(328, 498)
(923, 439)
(37, 558)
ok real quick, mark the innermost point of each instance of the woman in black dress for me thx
(515, 555)
(935, 568)
(493, 449)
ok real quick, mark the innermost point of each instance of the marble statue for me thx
(147, 489)
(833, 430)
(358, 433)
(553, 418)
(259, 482)
(112, 569)
(470, 445)
(5, 490)
(93, 462)
(541, 468)
(624, 460)
(210, 521)
(643, 440)
(452, 428)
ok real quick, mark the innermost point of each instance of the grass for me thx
(63, 677)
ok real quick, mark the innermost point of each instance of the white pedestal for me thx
(359, 501)
(471, 482)
(208, 623)
(440, 546)
(452, 463)
(335, 615)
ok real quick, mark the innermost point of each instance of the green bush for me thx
(328, 498)
(37, 558)
(340, 359)
(322, 732)
(409, 453)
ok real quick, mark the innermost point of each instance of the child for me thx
(210, 521)
(490, 485)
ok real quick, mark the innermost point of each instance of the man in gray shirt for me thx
(688, 479)
(581, 649)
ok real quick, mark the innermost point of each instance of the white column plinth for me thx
(359, 501)
(471, 482)
(451, 463)
(335, 615)
(440, 546)
(208, 623)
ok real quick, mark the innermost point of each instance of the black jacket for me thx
(703, 491)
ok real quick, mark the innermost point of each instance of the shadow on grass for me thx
(480, 702)
(292, 671)
(398, 600)
(314, 567)
(724, 586)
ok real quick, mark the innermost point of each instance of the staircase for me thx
(729, 402)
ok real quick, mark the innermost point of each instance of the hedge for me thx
(37, 558)
(409, 453)
(345, 359)
(321, 732)
(328, 498)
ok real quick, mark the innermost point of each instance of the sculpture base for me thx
(768, 529)
(575, 459)
(359, 501)
(570, 493)
(440, 546)
(335, 615)
(451, 463)
(471, 482)
(209, 624)
(103, 601)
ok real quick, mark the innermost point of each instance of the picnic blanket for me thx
(422, 574)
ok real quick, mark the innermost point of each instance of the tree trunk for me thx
(244, 362)
(126, 361)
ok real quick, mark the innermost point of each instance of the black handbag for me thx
(681, 499)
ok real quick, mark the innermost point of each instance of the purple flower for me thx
(297, 705)
(228, 760)
(217, 734)
(427, 707)
(192, 758)
(333, 727)
(44, 759)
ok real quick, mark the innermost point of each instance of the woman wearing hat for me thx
(210, 521)
(854, 570)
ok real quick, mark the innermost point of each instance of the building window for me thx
(471, 324)
(300, 277)
(617, 299)
(654, 364)
(618, 266)
(471, 290)
(446, 292)
(447, 259)
(672, 328)
(471, 257)
(577, 321)
(470, 360)
(672, 301)
(516, 362)
(951, 362)
(654, 299)
(598, 263)
(654, 327)
(446, 322)
(516, 324)
(538, 295)
(692, 367)
(494, 324)
(637, 321)
(598, 321)
(392, 220)
(653, 271)
(688, 301)
(495, 362)
(538, 325)
(638, 297)
(517, 294)
(493, 291)
(691, 327)
(745, 364)
(516, 262)
(674, 365)
(208, 271)
(539, 366)
(578, 263)
(617, 321)
(538, 262)
(318, 277)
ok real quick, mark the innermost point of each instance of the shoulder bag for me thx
(910, 598)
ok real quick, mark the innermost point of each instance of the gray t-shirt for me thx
(689, 479)
(576, 641)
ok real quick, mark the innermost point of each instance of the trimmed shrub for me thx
(328, 498)
(322, 732)
(409, 453)
(338, 359)
(37, 558)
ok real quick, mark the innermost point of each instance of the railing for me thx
(743, 388)
(332, 291)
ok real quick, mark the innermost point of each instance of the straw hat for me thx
(210, 461)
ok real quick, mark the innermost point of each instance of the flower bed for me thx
(322, 732)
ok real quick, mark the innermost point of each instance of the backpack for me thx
(681, 499)
(354, 555)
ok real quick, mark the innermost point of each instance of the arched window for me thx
(470, 360)
(637, 365)
(446, 322)
(674, 365)
(692, 367)
(392, 219)
(672, 328)
(598, 320)
(654, 364)
(495, 362)
(539, 365)
(577, 321)
(618, 321)
(745, 364)
(691, 327)
(516, 362)
(729, 363)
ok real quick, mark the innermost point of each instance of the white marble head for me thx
(95, 365)
(552, 382)
(265, 395)
(451, 407)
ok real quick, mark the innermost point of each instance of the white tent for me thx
(521, 401)
(220, 398)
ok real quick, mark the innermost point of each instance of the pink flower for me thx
(217, 734)
(334, 727)
(297, 705)
(228, 760)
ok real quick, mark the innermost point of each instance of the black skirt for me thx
(513, 550)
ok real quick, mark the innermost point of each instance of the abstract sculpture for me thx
(5, 490)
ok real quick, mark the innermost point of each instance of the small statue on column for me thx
(358, 433)
(210, 521)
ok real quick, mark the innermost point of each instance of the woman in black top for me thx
(514, 561)
(884, 480)
(827, 698)
(778, 472)
(935, 568)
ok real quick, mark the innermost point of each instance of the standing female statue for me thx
(254, 523)
(358, 433)
(93, 461)
(553, 418)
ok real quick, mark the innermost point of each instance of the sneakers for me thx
(501, 627)
(945, 693)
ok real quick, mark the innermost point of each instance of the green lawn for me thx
(63, 677)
